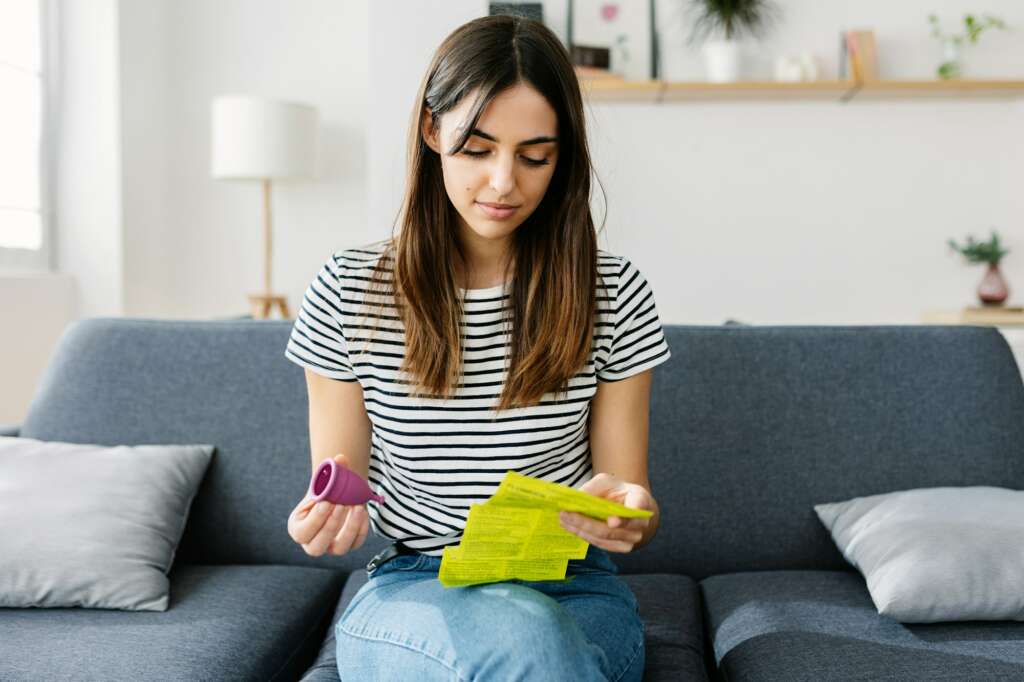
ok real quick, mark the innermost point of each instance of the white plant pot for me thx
(722, 59)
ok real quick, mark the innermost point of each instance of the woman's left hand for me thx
(617, 534)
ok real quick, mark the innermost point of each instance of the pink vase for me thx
(993, 289)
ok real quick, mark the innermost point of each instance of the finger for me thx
(346, 536)
(363, 530)
(303, 508)
(307, 525)
(628, 522)
(595, 528)
(634, 524)
(605, 543)
(364, 527)
(600, 528)
(322, 540)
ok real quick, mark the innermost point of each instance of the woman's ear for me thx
(429, 131)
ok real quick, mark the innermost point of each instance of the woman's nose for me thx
(503, 179)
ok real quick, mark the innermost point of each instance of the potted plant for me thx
(725, 21)
(952, 44)
(993, 289)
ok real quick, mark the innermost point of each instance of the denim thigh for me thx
(404, 623)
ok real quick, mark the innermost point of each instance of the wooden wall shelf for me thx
(607, 89)
(995, 316)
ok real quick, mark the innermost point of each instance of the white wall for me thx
(806, 212)
(37, 307)
(143, 230)
(142, 69)
(87, 192)
(88, 147)
(197, 243)
(789, 213)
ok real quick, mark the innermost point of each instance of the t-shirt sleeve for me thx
(317, 339)
(638, 341)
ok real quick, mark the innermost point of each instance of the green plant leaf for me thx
(732, 17)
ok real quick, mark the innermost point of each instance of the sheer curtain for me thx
(27, 60)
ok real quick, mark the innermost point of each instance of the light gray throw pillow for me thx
(931, 555)
(91, 525)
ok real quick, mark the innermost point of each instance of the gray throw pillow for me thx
(91, 525)
(931, 555)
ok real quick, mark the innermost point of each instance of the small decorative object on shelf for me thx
(727, 20)
(796, 68)
(952, 43)
(993, 289)
(595, 60)
(858, 55)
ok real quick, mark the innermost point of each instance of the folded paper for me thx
(515, 534)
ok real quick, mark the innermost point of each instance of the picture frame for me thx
(625, 28)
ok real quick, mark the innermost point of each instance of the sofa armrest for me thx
(10, 430)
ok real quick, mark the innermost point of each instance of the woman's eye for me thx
(527, 159)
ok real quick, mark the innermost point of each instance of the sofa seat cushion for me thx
(822, 625)
(238, 622)
(669, 606)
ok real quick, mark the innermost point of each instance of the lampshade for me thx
(258, 138)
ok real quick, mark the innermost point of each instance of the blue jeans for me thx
(404, 625)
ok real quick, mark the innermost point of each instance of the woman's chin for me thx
(485, 229)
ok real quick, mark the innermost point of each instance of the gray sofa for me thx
(750, 426)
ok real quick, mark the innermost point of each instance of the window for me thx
(25, 169)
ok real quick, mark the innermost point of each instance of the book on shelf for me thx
(858, 55)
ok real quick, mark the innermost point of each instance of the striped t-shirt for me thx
(431, 458)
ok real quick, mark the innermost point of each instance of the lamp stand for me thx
(262, 305)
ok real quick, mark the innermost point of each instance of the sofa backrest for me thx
(753, 425)
(227, 383)
(750, 426)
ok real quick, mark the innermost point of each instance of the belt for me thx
(388, 553)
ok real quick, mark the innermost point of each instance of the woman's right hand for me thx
(326, 527)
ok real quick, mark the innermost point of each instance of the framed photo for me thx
(624, 28)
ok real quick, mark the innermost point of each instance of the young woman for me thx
(490, 334)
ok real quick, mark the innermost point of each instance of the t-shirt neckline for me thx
(499, 288)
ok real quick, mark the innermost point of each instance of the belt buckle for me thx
(387, 553)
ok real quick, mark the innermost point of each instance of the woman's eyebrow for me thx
(524, 143)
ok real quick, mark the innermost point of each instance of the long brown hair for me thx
(553, 292)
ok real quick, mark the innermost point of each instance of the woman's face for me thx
(509, 159)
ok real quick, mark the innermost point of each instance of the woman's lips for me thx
(498, 213)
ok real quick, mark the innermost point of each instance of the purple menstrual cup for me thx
(337, 484)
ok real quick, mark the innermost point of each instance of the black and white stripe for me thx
(432, 458)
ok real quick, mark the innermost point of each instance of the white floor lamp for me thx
(254, 138)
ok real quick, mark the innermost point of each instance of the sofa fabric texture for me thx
(750, 427)
(223, 623)
(821, 625)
